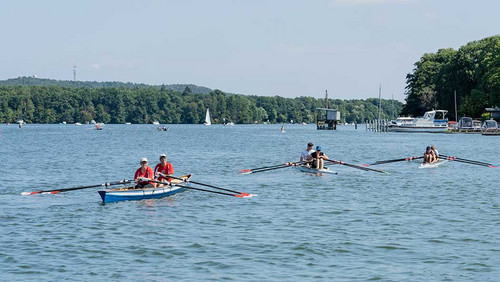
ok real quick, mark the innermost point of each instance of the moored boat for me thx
(316, 170)
(432, 121)
(132, 194)
(490, 127)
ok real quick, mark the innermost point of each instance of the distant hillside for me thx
(33, 81)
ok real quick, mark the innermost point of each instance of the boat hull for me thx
(132, 194)
(433, 165)
(437, 129)
(315, 170)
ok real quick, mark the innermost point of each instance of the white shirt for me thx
(305, 154)
(436, 152)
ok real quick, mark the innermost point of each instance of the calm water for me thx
(413, 224)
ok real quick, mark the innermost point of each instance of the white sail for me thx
(207, 118)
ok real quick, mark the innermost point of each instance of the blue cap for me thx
(318, 148)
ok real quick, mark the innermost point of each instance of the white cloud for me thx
(95, 66)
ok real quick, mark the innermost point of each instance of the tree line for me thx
(55, 104)
(34, 81)
(472, 71)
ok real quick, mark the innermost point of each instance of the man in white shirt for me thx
(306, 154)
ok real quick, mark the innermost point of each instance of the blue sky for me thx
(287, 48)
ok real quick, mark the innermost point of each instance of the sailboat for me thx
(207, 118)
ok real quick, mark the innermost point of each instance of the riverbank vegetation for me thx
(473, 71)
(55, 104)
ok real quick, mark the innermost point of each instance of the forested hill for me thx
(33, 81)
(55, 104)
(473, 71)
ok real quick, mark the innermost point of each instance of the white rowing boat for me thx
(325, 170)
(432, 165)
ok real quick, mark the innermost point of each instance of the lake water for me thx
(412, 224)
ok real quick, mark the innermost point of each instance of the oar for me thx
(471, 161)
(451, 158)
(264, 167)
(355, 166)
(392, 161)
(204, 190)
(273, 168)
(204, 184)
(56, 191)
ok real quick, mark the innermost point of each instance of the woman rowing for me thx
(162, 169)
(144, 174)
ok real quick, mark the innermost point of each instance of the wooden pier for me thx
(377, 125)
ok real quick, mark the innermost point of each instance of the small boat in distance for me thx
(282, 129)
(207, 118)
(128, 123)
(162, 128)
(77, 123)
(156, 122)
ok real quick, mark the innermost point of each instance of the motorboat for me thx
(490, 127)
(432, 121)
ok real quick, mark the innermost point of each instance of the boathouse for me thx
(327, 118)
(495, 113)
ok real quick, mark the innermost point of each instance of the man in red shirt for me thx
(144, 173)
(164, 168)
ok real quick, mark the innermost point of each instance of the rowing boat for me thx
(316, 170)
(132, 194)
(436, 164)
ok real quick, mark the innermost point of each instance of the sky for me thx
(288, 48)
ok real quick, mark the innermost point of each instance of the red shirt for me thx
(147, 174)
(167, 169)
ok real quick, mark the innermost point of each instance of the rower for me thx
(305, 156)
(435, 152)
(318, 158)
(163, 168)
(143, 174)
(428, 155)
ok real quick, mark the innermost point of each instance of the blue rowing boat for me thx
(132, 194)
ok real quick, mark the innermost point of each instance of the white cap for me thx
(144, 160)
(163, 155)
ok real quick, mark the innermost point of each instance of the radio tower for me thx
(74, 73)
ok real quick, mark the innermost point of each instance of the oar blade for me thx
(365, 165)
(494, 166)
(30, 193)
(245, 170)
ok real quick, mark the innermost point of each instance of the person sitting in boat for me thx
(435, 153)
(428, 155)
(143, 175)
(318, 158)
(163, 168)
(305, 156)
